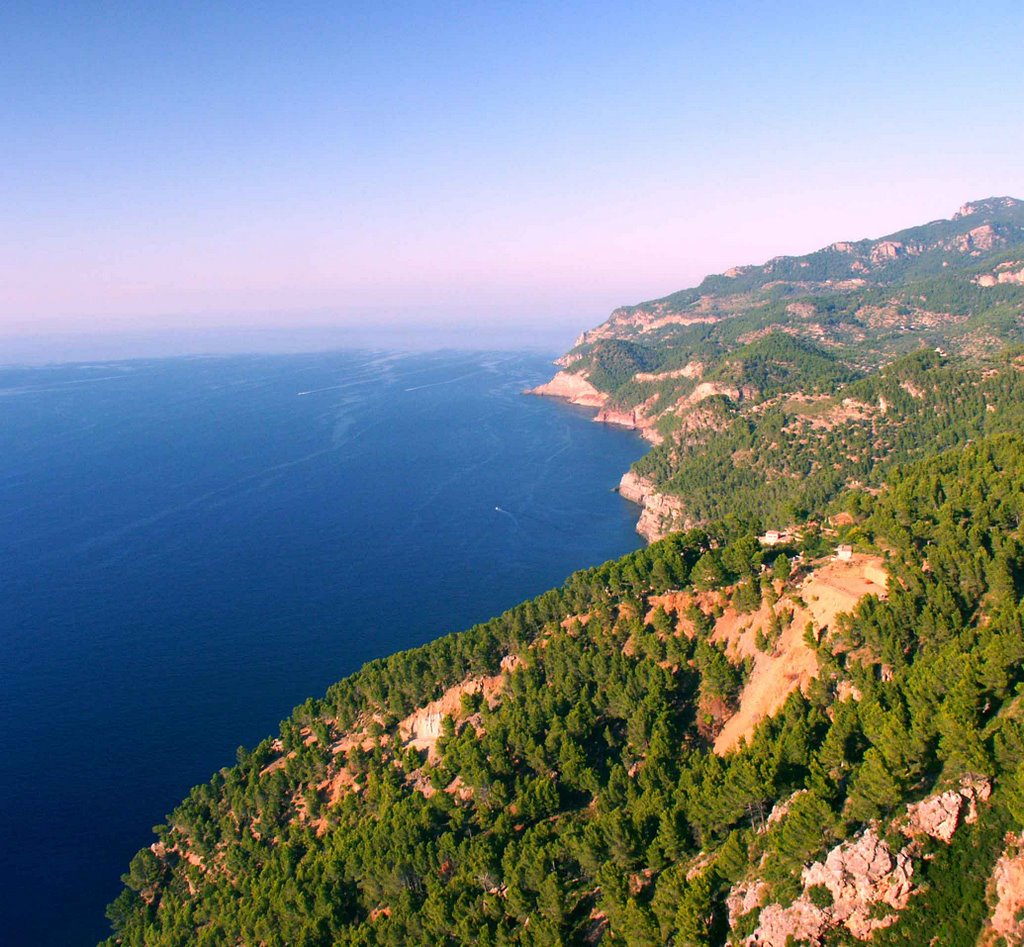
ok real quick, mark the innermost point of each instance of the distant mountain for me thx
(768, 390)
(926, 280)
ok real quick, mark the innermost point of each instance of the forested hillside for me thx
(568, 773)
(793, 455)
(769, 390)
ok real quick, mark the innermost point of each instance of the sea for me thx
(192, 546)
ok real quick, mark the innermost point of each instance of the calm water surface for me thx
(191, 547)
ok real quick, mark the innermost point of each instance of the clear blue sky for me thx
(198, 165)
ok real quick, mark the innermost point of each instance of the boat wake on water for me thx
(498, 509)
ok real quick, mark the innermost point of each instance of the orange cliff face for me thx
(576, 389)
(573, 388)
(636, 419)
(662, 513)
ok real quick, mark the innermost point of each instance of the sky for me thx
(519, 168)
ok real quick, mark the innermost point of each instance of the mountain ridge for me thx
(793, 341)
(1004, 213)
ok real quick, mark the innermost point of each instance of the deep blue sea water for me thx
(190, 547)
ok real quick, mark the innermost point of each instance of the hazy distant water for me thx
(191, 547)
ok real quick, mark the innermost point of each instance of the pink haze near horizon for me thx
(172, 170)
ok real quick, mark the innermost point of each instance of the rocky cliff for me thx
(574, 388)
(661, 514)
(785, 339)
(862, 884)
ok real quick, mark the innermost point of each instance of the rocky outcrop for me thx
(662, 514)
(940, 816)
(1007, 919)
(860, 875)
(622, 417)
(978, 240)
(689, 370)
(743, 898)
(636, 419)
(423, 727)
(868, 883)
(937, 817)
(887, 250)
(711, 389)
(802, 921)
(781, 809)
(573, 388)
(1010, 273)
(648, 317)
(576, 389)
(863, 878)
(991, 204)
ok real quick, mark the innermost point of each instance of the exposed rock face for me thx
(974, 207)
(574, 388)
(743, 897)
(847, 690)
(791, 663)
(802, 921)
(937, 816)
(1011, 273)
(803, 310)
(630, 418)
(977, 240)
(642, 319)
(1008, 881)
(690, 370)
(422, 728)
(636, 419)
(887, 250)
(860, 876)
(781, 809)
(662, 514)
(866, 878)
(940, 816)
(635, 488)
(709, 389)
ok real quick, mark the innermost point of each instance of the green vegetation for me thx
(581, 798)
(791, 459)
(812, 323)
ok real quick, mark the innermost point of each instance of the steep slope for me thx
(798, 718)
(558, 775)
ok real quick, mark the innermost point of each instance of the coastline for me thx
(660, 514)
(369, 482)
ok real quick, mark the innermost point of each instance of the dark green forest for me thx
(591, 803)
